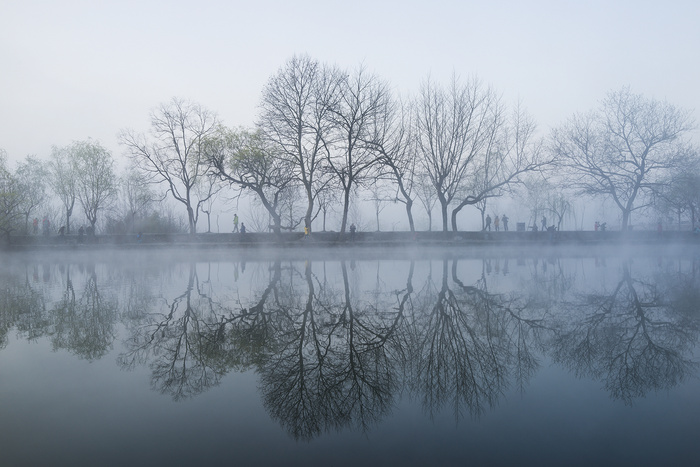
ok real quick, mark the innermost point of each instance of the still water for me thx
(345, 357)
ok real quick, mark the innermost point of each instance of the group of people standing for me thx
(497, 221)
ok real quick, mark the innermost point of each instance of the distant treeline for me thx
(325, 134)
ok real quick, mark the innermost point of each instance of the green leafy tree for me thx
(10, 198)
(247, 161)
(33, 178)
(63, 178)
(96, 181)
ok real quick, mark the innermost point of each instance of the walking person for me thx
(488, 223)
(496, 223)
(544, 223)
(235, 223)
(504, 219)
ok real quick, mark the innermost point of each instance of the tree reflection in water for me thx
(332, 351)
(183, 340)
(636, 338)
(85, 322)
(471, 343)
(22, 307)
(329, 366)
(81, 322)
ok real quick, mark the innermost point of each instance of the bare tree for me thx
(95, 183)
(509, 150)
(623, 150)
(327, 200)
(293, 206)
(547, 196)
(427, 197)
(207, 189)
(481, 207)
(680, 193)
(173, 152)
(380, 196)
(392, 139)
(362, 100)
(558, 205)
(452, 127)
(136, 195)
(296, 105)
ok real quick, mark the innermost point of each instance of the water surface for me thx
(348, 357)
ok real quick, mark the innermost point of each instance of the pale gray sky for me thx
(73, 69)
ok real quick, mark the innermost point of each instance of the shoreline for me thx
(333, 240)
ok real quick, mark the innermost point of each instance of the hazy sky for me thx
(70, 70)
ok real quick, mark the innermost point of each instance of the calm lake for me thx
(351, 357)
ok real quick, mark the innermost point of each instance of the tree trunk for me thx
(309, 209)
(346, 207)
(411, 225)
(443, 212)
(69, 211)
(190, 218)
(276, 223)
(455, 211)
(625, 219)
(271, 211)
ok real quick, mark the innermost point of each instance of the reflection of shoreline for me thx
(169, 254)
(360, 239)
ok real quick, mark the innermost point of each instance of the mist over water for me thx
(349, 356)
